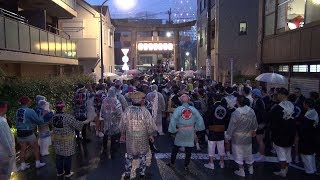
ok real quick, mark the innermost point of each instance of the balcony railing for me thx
(19, 36)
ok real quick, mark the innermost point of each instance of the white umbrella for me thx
(189, 72)
(273, 78)
(126, 77)
(200, 72)
(109, 74)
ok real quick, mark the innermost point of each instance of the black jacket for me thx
(259, 109)
(217, 115)
(282, 131)
(307, 136)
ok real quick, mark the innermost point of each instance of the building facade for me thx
(290, 41)
(31, 43)
(149, 41)
(227, 38)
(85, 31)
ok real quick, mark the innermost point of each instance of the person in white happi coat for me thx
(242, 127)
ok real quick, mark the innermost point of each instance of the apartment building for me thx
(228, 29)
(85, 31)
(31, 43)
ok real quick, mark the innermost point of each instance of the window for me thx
(290, 14)
(315, 68)
(312, 10)
(202, 5)
(270, 8)
(201, 42)
(300, 68)
(213, 2)
(111, 40)
(283, 68)
(200, 38)
(126, 43)
(243, 28)
(146, 59)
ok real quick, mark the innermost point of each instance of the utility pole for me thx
(209, 38)
(170, 12)
(101, 42)
(231, 71)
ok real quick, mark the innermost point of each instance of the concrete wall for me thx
(29, 70)
(242, 48)
(227, 42)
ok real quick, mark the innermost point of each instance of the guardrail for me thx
(19, 36)
(12, 15)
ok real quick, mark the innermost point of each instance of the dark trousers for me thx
(175, 151)
(84, 129)
(164, 124)
(63, 164)
(114, 142)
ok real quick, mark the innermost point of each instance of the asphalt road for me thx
(87, 165)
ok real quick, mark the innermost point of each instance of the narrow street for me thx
(87, 165)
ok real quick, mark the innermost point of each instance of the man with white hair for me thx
(185, 121)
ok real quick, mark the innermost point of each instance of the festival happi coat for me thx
(242, 123)
(137, 124)
(185, 121)
(63, 133)
(111, 111)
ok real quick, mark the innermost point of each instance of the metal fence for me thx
(17, 35)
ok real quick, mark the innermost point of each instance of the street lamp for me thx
(168, 34)
(187, 53)
(101, 42)
(125, 5)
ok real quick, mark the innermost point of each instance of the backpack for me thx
(80, 105)
(98, 99)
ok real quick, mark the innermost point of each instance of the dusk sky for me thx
(159, 7)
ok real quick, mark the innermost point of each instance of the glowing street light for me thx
(125, 4)
(187, 53)
(168, 34)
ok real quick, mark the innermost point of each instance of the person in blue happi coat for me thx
(185, 121)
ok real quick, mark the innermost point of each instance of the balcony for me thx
(299, 45)
(58, 8)
(20, 37)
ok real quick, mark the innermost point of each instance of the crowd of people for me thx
(227, 119)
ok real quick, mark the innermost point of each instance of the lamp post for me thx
(101, 41)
